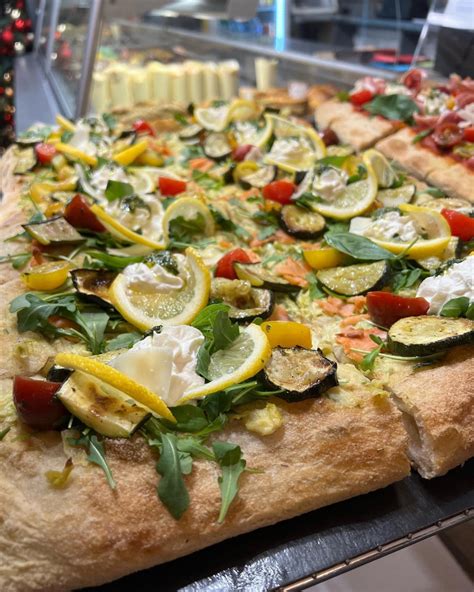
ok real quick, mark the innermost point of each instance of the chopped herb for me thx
(421, 135)
(131, 203)
(180, 118)
(190, 152)
(207, 181)
(186, 230)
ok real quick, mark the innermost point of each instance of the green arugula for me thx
(421, 135)
(17, 261)
(118, 190)
(269, 221)
(109, 120)
(38, 133)
(123, 341)
(180, 118)
(229, 457)
(306, 200)
(407, 278)
(207, 181)
(164, 258)
(395, 107)
(343, 96)
(190, 152)
(171, 488)
(458, 307)
(100, 259)
(369, 359)
(315, 289)
(95, 453)
(4, 432)
(185, 230)
(434, 191)
(356, 246)
(334, 161)
(359, 175)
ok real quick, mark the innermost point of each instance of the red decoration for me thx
(7, 37)
(20, 25)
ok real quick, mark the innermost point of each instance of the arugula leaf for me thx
(39, 133)
(229, 457)
(225, 332)
(207, 317)
(357, 246)
(186, 230)
(421, 135)
(369, 359)
(122, 341)
(360, 174)
(227, 224)
(406, 278)
(399, 107)
(95, 453)
(194, 446)
(190, 152)
(434, 191)
(189, 418)
(335, 161)
(206, 180)
(113, 262)
(218, 404)
(117, 190)
(456, 307)
(171, 489)
(17, 261)
(306, 200)
(164, 258)
(109, 120)
(4, 432)
(315, 290)
(180, 118)
(337, 226)
(343, 95)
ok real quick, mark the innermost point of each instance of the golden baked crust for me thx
(438, 412)
(86, 534)
(456, 180)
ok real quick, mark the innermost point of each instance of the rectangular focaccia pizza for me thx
(212, 328)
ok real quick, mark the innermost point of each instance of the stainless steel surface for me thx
(379, 552)
(92, 43)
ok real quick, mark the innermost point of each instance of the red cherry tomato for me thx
(170, 186)
(447, 135)
(45, 153)
(279, 191)
(468, 134)
(241, 152)
(79, 214)
(414, 79)
(361, 96)
(461, 225)
(36, 403)
(329, 137)
(225, 265)
(386, 308)
(143, 127)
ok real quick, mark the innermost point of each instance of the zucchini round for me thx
(425, 335)
(304, 180)
(246, 303)
(302, 373)
(25, 160)
(190, 132)
(392, 198)
(216, 146)
(263, 176)
(93, 284)
(53, 231)
(355, 279)
(259, 277)
(301, 223)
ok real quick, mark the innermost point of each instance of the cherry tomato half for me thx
(36, 404)
(447, 135)
(225, 265)
(413, 79)
(143, 127)
(361, 96)
(45, 153)
(386, 308)
(79, 214)
(241, 152)
(468, 134)
(168, 186)
(461, 225)
(279, 191)
(329, 137)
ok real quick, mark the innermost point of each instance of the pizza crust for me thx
(439, 420)
(86, 534)
(456, 180)
(351, 127)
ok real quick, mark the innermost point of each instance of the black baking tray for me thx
(290, 551)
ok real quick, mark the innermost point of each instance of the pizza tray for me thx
(301, 552)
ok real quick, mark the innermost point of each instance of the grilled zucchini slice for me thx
(246, 303)
(355, 279)
(101, 407)
(425, 335)
(53, 231)
(217, 147)
(263, 176)
(302, 373)
(190, 132)
(93, 284)
(259, 277)
(392, 198)
(25, 160)
(301, 223)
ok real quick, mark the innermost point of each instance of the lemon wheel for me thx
(188, 208)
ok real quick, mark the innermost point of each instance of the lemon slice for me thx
(243, 110)
(147, 309)
(118, 380)
(122, 232)
(383, 170)
(189, 208)
(285, 128)
(143, 181)
(247, 355)
(246, 132)
(212, 118)
(47, 276)
(429, 223)
(354, 200)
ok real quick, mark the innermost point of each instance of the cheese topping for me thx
(81, 139)
(330, 184)
(467, 115)
(151, 279)
(457, 281)
(434, 102)
(392, 226)
(164, 362)
(145, 215)
(109, 172)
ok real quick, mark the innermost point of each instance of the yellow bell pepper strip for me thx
(65, 123)
(47, 276)
(76, 153)
(287, 334)
(323, 258)
(127, 156)
(118, 380)
(150, 158)
(39, 191)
